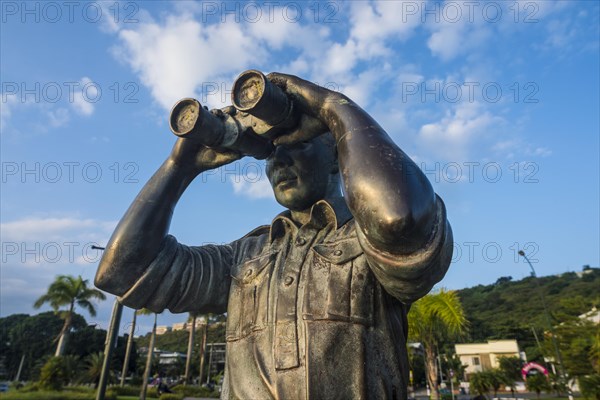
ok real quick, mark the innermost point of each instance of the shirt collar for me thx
(324, 212)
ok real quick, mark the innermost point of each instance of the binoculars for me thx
(261, 112)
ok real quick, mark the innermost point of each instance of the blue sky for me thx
(496, 101)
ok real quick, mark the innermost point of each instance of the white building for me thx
(179, 326)
(593, 315)
(162, 329)
(188, 325)
(169, 357)
(479, 357)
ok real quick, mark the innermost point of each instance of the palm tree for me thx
(145, 311)
(188, 362)
(94, 363)
(69, 291)
(537, 383)
(203, 346)
(128, 350)
(479, 382)
(430, 319)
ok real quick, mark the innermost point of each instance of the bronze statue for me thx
(316, 302)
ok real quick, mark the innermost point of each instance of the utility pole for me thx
(561, 367)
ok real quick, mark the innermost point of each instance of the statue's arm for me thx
(401, 223)
(142, 232)
(391, 199)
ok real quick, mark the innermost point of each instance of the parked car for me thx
(3, 387)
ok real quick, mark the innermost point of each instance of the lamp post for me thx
(550, 326)
(110, 343)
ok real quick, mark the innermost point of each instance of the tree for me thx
(432, 317)
(148, 367)
(485, 381)
(496, 379)
(510, 368)
(479, 382)
(128, 350)
(72, 367)
(94, 363)
(590, 386)
(537, 383)
(188, 361)
(53, 375)
(69, 291)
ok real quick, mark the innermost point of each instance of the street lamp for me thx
(550, 326)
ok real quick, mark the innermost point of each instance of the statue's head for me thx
(304, 173)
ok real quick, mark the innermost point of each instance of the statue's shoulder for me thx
(261, 230)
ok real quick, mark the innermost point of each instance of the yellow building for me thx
(483, 356)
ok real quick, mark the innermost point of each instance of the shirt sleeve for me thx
(409, 277)
(184, 279)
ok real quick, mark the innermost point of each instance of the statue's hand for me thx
(194, 158)
(309, 100)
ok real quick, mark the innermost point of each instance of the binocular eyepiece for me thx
(262, 111)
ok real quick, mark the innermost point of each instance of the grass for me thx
(65, 395)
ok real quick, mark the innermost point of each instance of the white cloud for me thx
(514, 146)
(58, 117)
(51, 228)
(9, 102)
(450, 39)
(375, 22)
(177, 58)
(83, 99)
(55, 115)
(35, 249)
(451, 137)
(254, 187)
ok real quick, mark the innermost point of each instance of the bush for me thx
(590, 386)
(126, 390)
(53, 375)
(192, 391)
(52, 395)
(171, 396)
(537, 383)
(30, 387)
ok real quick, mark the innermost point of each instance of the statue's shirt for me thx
(312, 312)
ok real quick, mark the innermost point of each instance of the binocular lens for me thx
(249, 93)
(184, 116)
(255, 94)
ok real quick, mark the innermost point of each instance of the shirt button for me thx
(337, 253)
(288, 281)
(300, 241)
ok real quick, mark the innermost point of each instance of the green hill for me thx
(510, 309)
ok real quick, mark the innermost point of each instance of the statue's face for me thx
(299, 173)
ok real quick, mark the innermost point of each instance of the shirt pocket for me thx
(340, 284)
(249, 296)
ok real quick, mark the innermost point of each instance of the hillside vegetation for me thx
(513, 309)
